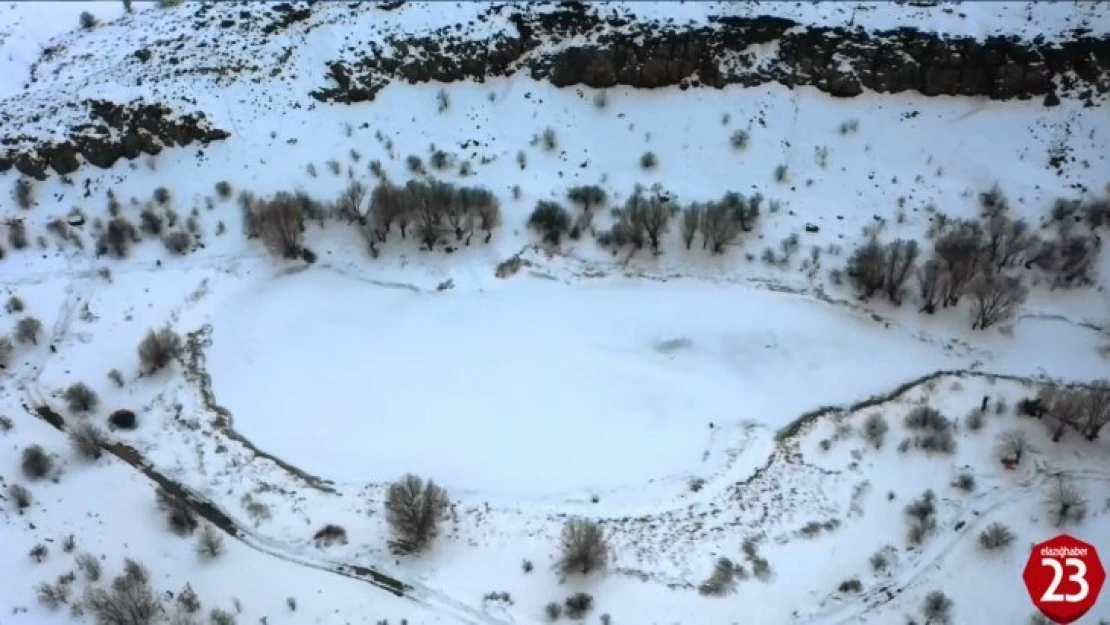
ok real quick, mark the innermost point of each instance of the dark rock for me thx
(839, 61)
(810, 227)
(123, 420)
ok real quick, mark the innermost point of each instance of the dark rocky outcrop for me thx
(839, 61)
(114, 131)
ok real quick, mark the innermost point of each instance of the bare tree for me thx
(958, 251)
(584, 547)
(867, 268)
(744, 210)
(352, 205)
(900, 256)
(691, 220)
(551, 220)
(158, 349)
(129, 601)
(1065, 504)
(27, 330)
(656, 216)
(995, 299)
(719, 227)
(931, 281)
(1063, 409)
(588, 196)
(1012, 446)
(1077, 258)
(281, 224)
(413, 509)
(429, 202)
(996, 536)
(388, 205)
(488, 212)
(1096, 409)
(1008, 241)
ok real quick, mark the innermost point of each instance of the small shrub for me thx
(415, 164)
(850, 585)
(80, 397)
(601, 99)
(937, 608)
(553, 611)
(722, 581)
(780, 173)
(87, 440)
(89, 566)
(39, 552)
(14, 305)
(210, 544)
(1065, 504)
(926, 418)
(69, 544)
(6, 349)
(24, 193)
(995, 536)
(188, 600)
(178, 242)
(739, 139)
(442, 101)
(27, 330)
(54, 595)
(550, 142)
(975, 420)
(648, 160)
(88, 20)
(292, 603)
(162, 196)
(224, 190)
(921, 516)
(116, 376)
(578, 605)
(875, 429)
(158, 349)
(964, 482)
(19, 496)
(330, 534)
(17, 234)
(180, 517)
(584, 547)
(221, 617)
(36, 463)
(526, 566)
(879, 562)
(123, 420)
(5, 423)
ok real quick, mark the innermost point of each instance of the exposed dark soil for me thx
(611, 51)
(113, 131)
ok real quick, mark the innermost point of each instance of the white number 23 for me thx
(1079, 577)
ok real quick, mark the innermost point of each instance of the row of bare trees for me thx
(976, 258)
(1083, 409)
(432, 210)
(646, 217)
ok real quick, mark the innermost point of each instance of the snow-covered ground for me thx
(650, 393)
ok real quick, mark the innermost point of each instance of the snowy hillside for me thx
(764, 343)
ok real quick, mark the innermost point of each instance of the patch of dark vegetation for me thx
(584, 547)
(608, 51)
(113, 131)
